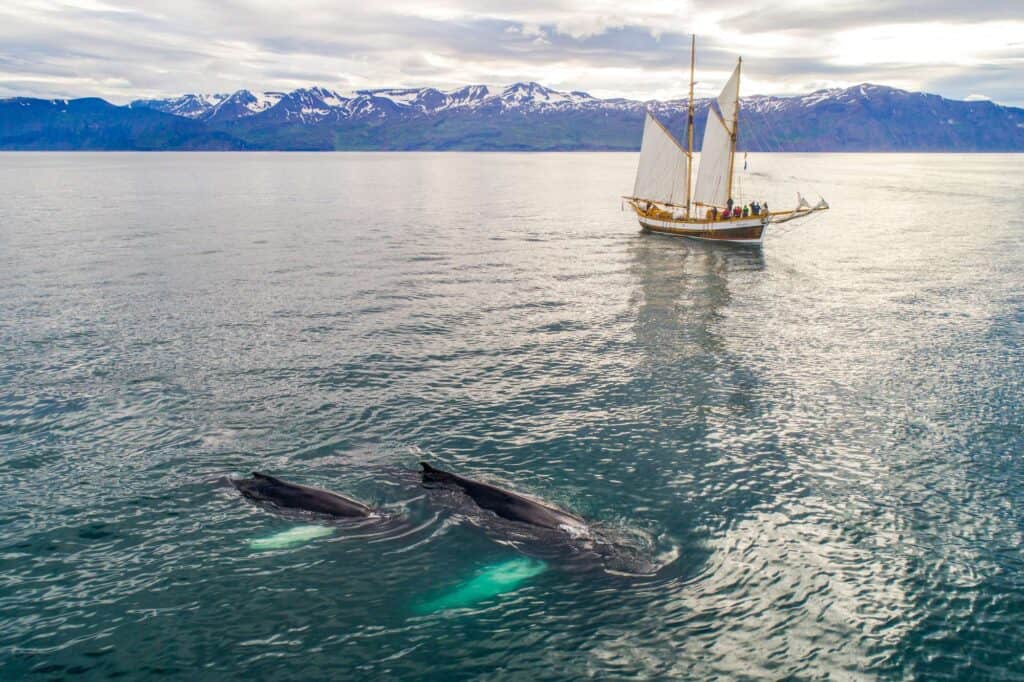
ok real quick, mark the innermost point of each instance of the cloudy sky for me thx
(121, 49)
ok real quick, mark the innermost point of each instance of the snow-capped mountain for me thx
(214, 107)
(521, 116)
(240, 104)
(312, 105)
(189, 106)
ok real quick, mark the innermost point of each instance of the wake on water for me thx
(617, 549)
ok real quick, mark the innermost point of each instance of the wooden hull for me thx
(746, 231)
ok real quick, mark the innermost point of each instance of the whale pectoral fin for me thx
(293, 537)
(492, 581)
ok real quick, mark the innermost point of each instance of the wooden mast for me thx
(735, 123)
(689, 127)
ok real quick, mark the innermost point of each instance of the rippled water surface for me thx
(808, 459)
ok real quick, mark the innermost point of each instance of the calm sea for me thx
(808, 460)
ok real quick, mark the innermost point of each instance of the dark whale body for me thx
(264, 488)
(505, 503)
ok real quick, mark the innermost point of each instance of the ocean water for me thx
(804, 461)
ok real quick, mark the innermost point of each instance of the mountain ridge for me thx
(521, 116)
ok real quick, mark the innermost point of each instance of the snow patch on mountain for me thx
(263, 101)
(310, 106)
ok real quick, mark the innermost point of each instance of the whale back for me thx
(506, 503)
(265, 488)
(268, 478)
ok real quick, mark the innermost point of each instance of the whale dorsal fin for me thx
(438, 475)
(265, 477)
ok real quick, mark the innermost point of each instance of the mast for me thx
(735, 123)
(689, 127)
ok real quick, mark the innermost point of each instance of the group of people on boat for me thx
(732, 210)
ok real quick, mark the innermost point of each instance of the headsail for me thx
(730, 99)
(661, 175)
(713, 176)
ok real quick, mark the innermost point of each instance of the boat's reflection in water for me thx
(685, 287)
(692, 395)
(749, 511)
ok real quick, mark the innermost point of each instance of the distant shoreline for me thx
(480, 151)
(522, 118)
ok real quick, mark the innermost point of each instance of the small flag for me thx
(744, 161)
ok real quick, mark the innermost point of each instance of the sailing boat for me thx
(662, 196)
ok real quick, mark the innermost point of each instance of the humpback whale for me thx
(264, 488)
(507, 504)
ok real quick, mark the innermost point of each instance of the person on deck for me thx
(755, 208)
(746, 211)
(729, 204)
(765, 207)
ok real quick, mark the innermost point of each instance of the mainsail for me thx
(716, 152)
(661, 175)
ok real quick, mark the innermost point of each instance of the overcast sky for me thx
(122, 50)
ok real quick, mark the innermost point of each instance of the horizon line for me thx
(497, 89)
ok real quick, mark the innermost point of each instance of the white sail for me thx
(661, 175)
(716, 150)
(663, 165)
(715, 164)
(730, 99)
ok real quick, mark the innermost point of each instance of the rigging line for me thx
(750, 132)
(759, 141)
(748, 138)
(770, 131)
(774, 143)
(754, 134)
(804, 222)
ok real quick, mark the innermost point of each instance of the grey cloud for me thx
(156, 48)
(828, 17)
(1001, 83)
